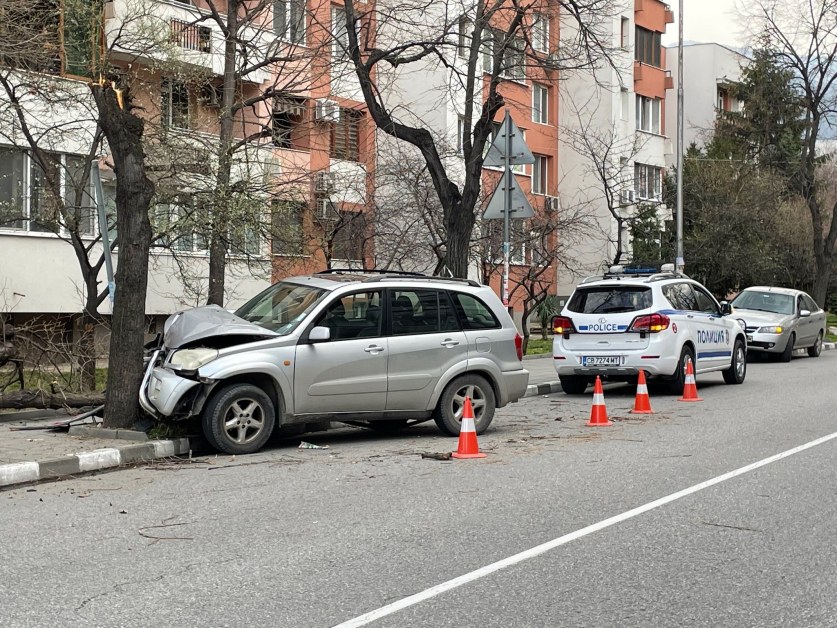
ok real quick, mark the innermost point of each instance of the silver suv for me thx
(378, 349)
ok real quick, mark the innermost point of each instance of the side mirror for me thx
(319, 334)
(726, 308)
(804, 313)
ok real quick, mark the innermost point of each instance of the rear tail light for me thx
(650, 323)
(518, 345)
(562, 325)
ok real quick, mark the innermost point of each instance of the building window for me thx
(345, 135)
(286, 236)
(26, 200)
(245, 240)
(513, 59)
(625, 103)
(175, 225)
(540, 32)
(288, 123)
(289, 20)
(648, 47)
(540, 177)
(723, 99)
(465, 28)
(175, 104)
(339, 34)
(648, 182)
(625, 33)
(349, 236)
(648, 114)
(540, 103)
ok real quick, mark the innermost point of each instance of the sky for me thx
(706, 21)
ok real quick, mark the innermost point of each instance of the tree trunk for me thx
(134, 192)
(823, 268)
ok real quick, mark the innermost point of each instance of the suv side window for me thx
(473, 313)
(414, 312)
(705, 302)
(680, 295)
(447, 315)
(356, 315)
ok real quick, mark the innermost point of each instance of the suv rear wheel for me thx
(448, 413)
(678, 380)
(238, 419)
(574, 384)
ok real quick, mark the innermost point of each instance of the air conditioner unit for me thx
(627, 197)
(326, 209)
(327, 111)
(324, 182)
(210, 96)
(552, 204)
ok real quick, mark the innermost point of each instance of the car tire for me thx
(574, 384)
(787, 354)
(238, 419)
(737, 370)
(815, 350)
(448, 413)
(677, 381)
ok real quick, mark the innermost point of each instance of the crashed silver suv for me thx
(381, 350)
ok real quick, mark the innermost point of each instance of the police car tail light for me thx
(562, 325)
(650, 323)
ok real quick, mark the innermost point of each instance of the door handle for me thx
(373, 349)
(449, 342)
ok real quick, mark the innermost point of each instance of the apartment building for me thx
(615, 137)
(304, 155)
(710, 71)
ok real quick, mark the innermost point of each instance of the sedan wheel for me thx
(239, 419)
(815, 350)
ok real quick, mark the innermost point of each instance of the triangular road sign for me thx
(520, 153)
(520, 207)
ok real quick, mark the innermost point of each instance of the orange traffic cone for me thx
(690, 387)
(642, 404)
(598, 414)
(468, 447)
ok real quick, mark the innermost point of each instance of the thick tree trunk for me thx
(20, 399)
(134, 192)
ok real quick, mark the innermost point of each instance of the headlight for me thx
(192, 359)
(771, 330)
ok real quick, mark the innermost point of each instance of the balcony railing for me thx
(191, 36)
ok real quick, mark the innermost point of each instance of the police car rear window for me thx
(610, 299)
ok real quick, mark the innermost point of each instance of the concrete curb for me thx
(87, 461)
(547, 388)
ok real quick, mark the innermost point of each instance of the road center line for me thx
(482, 572)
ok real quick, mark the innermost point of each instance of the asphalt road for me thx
(719, 513)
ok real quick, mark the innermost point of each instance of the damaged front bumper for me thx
(162, 390)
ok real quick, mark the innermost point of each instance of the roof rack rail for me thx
(364, 271)
(469, 282)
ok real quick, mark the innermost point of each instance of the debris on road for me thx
(433, 456)
(304, 445)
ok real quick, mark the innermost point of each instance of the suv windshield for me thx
(282, 307)
(764, 302)
(604, 299)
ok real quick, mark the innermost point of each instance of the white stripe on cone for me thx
(598, 399)
(642, 389)
(467, 425)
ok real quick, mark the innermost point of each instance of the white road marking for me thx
(482, 572)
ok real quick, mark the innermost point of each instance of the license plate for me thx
(601, 360)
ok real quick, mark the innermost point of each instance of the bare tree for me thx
(462, 39)
(803, 39)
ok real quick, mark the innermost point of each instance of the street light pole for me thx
(680, 262)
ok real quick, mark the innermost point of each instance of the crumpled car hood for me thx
(189, 326)
(755, 318)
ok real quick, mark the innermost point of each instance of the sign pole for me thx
(506, 210)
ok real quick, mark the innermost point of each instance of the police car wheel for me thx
(678, 380)
(574, 384)
(738, 368)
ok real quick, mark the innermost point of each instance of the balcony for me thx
(649, 80)
(190, 36)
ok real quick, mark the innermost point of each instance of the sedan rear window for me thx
(609, 299)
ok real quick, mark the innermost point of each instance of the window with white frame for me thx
(540, 103)
(340, 34)
(540, 32)
(648, 182)
(512, 58)
(176, 226)
(540, 174)
(175, 104)
(465, 29)
(28, 204)
(289, 20)
(648, 114)
(625, 33)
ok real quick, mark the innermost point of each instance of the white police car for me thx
(633, 319)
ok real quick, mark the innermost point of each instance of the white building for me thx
(709, 71)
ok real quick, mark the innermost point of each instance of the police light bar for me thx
(616, 270)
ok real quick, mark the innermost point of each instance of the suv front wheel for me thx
(448, 414)
(238, 419)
